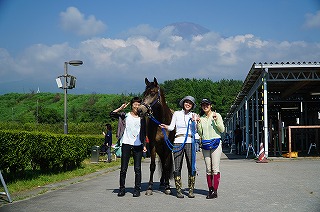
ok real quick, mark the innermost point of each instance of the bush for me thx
(48, 116)
(43, 151)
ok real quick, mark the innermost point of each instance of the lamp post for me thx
(67, 85)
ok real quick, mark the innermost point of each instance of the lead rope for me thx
(176, 148)
(193, 148)
(173, 148)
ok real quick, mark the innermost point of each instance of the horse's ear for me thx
(155, 81)
(146, 81)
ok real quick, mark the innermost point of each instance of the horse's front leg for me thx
(152, 170)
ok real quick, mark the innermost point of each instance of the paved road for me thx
(280, 185)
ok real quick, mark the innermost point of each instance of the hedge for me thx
(44, 151)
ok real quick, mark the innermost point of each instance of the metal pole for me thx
(265, 116)
(37, 111)
(257, 120)
(5, 187)
(246, 104)
(65, 97)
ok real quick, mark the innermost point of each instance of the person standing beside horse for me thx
(132, 138)
(210, 126)
(180, 122)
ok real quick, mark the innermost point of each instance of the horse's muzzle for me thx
(144, 110)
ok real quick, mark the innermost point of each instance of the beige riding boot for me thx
(191, 182)
(177, 180)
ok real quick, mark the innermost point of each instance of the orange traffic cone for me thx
(262, 157)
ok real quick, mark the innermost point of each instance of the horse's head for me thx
(151, 96)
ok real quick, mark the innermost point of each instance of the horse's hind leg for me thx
(163, 169)
(167, 173)
(167, 189)
(162, 180)
(152, 170)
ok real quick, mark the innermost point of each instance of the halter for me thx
(149, 107)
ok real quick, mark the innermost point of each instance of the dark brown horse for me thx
(155, 108)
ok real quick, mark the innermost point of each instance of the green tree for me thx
(48, 116)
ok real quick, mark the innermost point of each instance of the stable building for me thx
(279, 106)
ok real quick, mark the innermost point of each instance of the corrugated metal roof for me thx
(258, 69)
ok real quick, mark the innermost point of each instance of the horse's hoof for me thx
(168, 192)
(149, 192)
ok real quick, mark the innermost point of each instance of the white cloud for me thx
(141, 30)
(120, 65)
(6, 61)
(312, 20)
(74, 21)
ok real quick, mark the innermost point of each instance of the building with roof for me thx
(279, 106)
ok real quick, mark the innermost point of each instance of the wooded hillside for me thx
(48, 108)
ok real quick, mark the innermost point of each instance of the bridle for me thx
(149, 107)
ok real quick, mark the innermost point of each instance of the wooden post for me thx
(301, 127)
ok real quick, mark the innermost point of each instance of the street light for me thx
(68, 84)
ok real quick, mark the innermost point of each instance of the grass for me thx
(36, 180)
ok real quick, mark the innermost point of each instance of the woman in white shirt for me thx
(132, 138)
(180, 122)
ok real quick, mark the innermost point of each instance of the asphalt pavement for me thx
(282, 184)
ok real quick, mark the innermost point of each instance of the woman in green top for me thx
(210, 126)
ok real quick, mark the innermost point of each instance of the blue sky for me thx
(123, 41)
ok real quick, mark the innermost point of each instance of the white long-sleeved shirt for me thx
(131, 133)
(180, 122)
